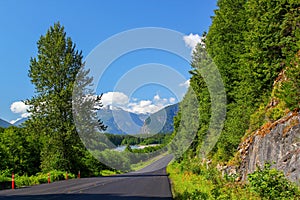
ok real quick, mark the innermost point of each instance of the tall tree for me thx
(53, 72)
(226, 45)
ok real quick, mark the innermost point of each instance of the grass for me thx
(39, 178)
(109, 172)
(186, 181)
(208, 184)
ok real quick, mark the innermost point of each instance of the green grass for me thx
(208, 184)
(39, 178)
(186, 181)
(109, 172)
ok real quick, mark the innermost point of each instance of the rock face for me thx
(277, 142)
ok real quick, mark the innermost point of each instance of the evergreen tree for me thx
(225, 43)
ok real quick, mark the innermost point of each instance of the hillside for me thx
(256, 52)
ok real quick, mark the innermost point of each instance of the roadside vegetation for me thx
(200, 181)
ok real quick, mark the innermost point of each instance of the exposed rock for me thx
(277, 142)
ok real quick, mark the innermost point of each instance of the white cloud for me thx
(121, 100)
(148, 106)
(145, 103)
(192, 40)
(114, 98)
(19, 107)
(185, 84)
(144, 106)
(172, 100)
(156, 97)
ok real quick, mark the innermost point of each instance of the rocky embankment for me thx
(277, 142)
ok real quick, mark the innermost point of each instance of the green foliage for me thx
(207, 183)
(54, 72)
(139, 139)
(258, 118)
(195, 195)
(40, 178)
(250, 42)
(128, 148)
(272, 184)
(276, 112)
(289, 90)
(18, 153)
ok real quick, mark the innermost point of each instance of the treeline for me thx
(141, 139)
(20, 153)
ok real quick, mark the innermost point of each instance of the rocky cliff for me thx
(277, 142)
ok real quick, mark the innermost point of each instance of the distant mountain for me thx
(4, 124)
(161, 121)
(119, 121)
(20, 122)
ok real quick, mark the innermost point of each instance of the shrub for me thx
(272, 184)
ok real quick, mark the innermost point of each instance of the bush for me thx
(195, 195)
(271, 184)
(40, 178)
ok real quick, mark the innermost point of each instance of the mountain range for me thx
(4, 124)
(119, 121)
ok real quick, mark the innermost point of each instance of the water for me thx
(122, 148)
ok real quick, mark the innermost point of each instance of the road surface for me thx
(149, 183)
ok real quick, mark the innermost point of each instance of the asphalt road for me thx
(149, 183)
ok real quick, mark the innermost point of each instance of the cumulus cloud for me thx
(150, 106)
(185, 84)
(144, 106)
(192, 40)
(19, 107)
(114, 98)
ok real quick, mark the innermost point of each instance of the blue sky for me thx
(89, 23)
